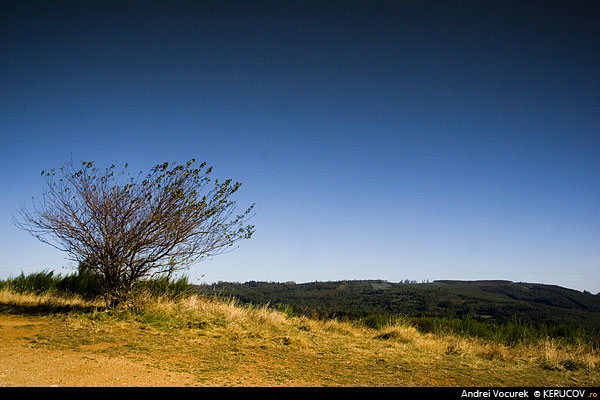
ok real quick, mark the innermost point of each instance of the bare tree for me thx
(127, 229)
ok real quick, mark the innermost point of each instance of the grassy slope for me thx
(222, 343)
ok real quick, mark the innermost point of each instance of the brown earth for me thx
(204, 342)
(22, 363)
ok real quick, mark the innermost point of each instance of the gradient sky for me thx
(379, 140)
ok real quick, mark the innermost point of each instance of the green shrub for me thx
(90, 286)
(37, 283)
(86, 285)
(287, 309)
(375, 321)
(164, 286)
(510, 333)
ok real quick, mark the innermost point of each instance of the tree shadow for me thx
(44, 309)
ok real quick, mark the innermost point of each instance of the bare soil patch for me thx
(25, 363)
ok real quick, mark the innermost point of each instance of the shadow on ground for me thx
(43, 309)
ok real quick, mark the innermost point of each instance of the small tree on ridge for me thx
(126, 229)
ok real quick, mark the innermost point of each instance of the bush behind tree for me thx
(90, 286)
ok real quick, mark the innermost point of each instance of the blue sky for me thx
(379, 140)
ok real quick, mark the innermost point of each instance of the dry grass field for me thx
(198, 341)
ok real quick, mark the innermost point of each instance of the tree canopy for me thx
(129, 228)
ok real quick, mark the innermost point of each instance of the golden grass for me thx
(49, 299)
(549, 353)
(223, 343)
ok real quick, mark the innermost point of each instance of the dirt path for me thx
(24, 364)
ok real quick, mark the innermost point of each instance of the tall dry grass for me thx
(48, 300)
(551, 354)
(235, 318)
(231, 320)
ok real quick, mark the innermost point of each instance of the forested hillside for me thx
(493, 301)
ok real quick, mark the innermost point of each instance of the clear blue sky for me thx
(380, 140)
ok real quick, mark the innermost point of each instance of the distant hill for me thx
(492, 300)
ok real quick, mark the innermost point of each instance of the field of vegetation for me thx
(55, 333)
(500, 311)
